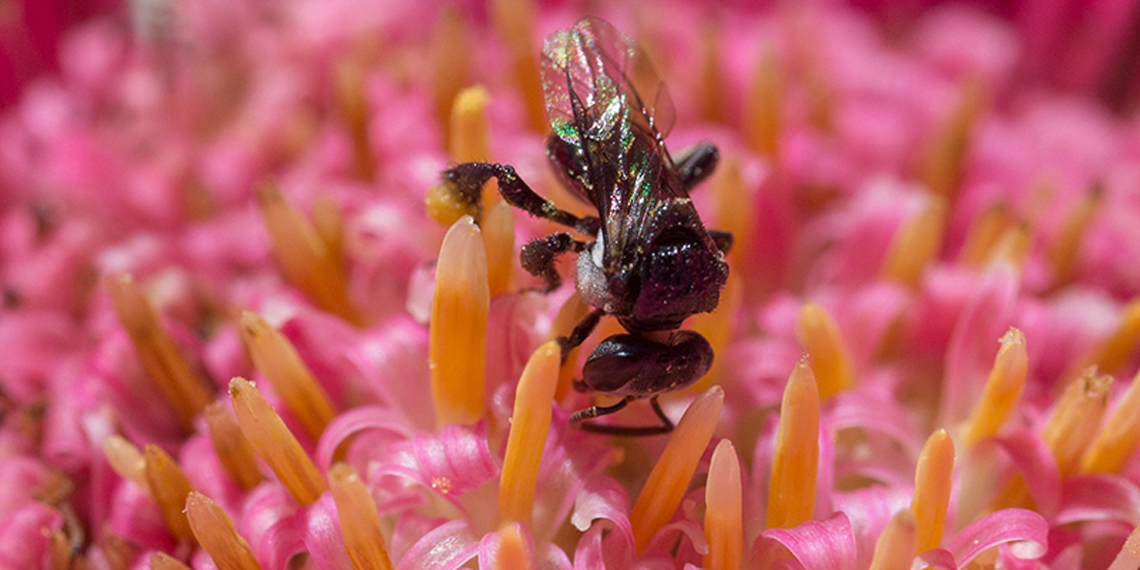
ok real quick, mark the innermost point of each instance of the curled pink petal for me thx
(447, 547)
(813, 544)
(1098, 497)
(1033, 458)
(1025, 531)
(322, 537)
(354, 421)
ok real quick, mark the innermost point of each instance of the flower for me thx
(236, 335)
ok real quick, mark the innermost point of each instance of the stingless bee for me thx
(651, 263)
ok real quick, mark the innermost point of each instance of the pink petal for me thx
(1025, 531)
(351, 423)
(24, 533)
(1035, 461)
(1098, 497)
(322, 536)
(447, 547)
(452, 462)
(813, 544)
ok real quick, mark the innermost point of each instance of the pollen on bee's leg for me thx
(359, 519)
(984, 232)
(449, 54)
(272, 441)
(1115, 350)
(530, 423)
(670, 477)
(471, 137)
(234, 452)
(276, 358)
(795, 463)
(1002, 390)
(819, 334)
(514, 20)
(916, 244)
(763, 113)
(940, 168)
(717, 328)
(217, 534)
(349, 92)
(309, 262)
(458, 328)
(1118, 438)
(127, 461)
(1063, 253)
(164, 561)
(169, 486)
(498, 228)
(896, 545)
(179, 385)
(724, 523)
(933, 478)
(569, 315)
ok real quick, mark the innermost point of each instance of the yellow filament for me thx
(499, 237)
(932, 484)
(1067, 244)
(734, 211)
(1003, 389)
(1117, 440)
(941, 166)
(916, 244)
(348, 82)
(233, 450)
(830, 363)
(276, 358)
(1075, 419)
(307, 261)
(513, 553)
(182, 389)
(217, 534)
(458, 332)
(1129, 556)
(269, 437)
(984, 233)
(670, 477)
(169, 486)
(763, 113)
(717, 328)
(450, 61)
(127, 461)
(896, 545)
(514, 19)
(530, 423)
(567, 318)
(163, 561)
(795, 464)
(724, 526)
(359, 520)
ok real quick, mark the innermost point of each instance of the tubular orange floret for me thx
(733, 210)
(711, 79)
(234, 452)
(830, 363)
(514, 20)
(941, 166)
(449, 55)
(514, 553)
(571, 313)
(984, 232)
(933, 478)
(1117, 440)
(1011, 247)
(916, 244)
(119, 552)
(217, 534)
(530, 422)
(329, 225)
(1076, 418)
(764, 109)
(359, 520)
(717, 328)
(1003, 389)
(795, 464)
(896, 545)
(470, 133)
(182, 389)
(276, 358)
(307, 261)
(1113, 351)
(348, 89)
(1129, 556)
(724, 526)
(127, 461)
(1066, 245)
(670, 477)
(169, 486)
(164, 561)
(499, 238)
(273, 442)
(458, 330)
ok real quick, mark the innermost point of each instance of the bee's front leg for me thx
(468, 179)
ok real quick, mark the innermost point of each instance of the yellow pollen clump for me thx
(819, 334)
(217, 534)
(670, 477)
(1002, 391)
(724, 522)
(169, 486)
(932, 485)
(795, 463)
(359, 520)
(530, 423)
(234, 452)
(273, 442)
(458, 330)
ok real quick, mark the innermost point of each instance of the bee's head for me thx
(680, 274)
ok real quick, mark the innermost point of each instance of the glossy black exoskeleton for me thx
(651, 263)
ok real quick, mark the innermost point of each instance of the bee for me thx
(651, 263)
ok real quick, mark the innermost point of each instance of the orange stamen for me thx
(830, 363)
(530, 423)
(724, 526)
(1012, 246)
(1076, 418)
(941, 166)
(499, 238)
(217, 534)
(734, 210)
(275, 357)
(1117, 440)
(764, 109)
(169, 486)
(567, 318)
(126, 460)
(273, 442)
(717, 328)
(984, 233)
(916, 244)
(459, 325)
(1067, 244)
(514, 19)
(1003, 389)
(795, 464)
(896, 545)
(711, 78)
(359, 520)
(182, 389)
(450, 62)
(670, 477)
(348, 89)
(932, 484)
(513, 552)
(234, 452)
(1114, 351)
(163, 561)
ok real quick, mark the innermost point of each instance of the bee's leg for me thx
(696, 163)
(723, 240)
(538, 257)
(580, 333)
(580, 419)
(468, 178)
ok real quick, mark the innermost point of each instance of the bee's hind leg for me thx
(538, 257)
(468, 178)
(581, 417)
